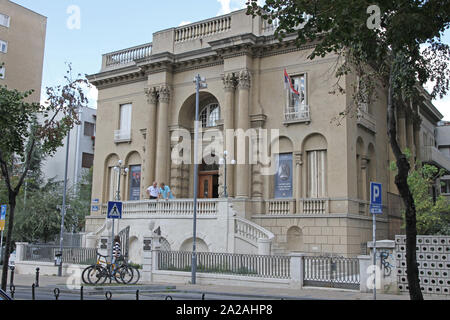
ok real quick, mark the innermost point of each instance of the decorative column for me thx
(229, 82)
(242, 170)
(416, 128)
(365, 182)
(298, 181)
(401, 125)
(163, 143)
(150, 140)
(176, 175)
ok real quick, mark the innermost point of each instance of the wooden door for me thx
(205, 187)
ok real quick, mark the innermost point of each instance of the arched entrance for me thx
(208, 178)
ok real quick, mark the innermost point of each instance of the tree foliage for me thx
(400, 47)
(22, 135)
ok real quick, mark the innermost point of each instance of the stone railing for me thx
(251, 231)
(203, 29)
(297, 115)
(127, 56)
(280, 207)
(366, 120)
(269, 28)
(314, 206)
(178, 207)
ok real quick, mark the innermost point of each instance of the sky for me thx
(109, 25)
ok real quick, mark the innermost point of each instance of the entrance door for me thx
(205, 187)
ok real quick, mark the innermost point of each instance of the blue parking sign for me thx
(376, 200)
(114, 210)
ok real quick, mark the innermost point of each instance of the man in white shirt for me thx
(153, 191)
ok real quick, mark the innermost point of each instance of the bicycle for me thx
(102, 270)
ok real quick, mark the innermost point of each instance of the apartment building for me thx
(22, 43)
(317, 198)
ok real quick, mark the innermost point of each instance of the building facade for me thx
(81, 151)
(313, 196)
(22, 44)
(443, 145)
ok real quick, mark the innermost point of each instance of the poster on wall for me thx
(135, 183)
(283, 177)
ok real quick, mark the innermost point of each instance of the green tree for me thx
(22, 135)
(401, 48)
(432, 216)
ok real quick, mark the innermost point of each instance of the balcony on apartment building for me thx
(432, 155)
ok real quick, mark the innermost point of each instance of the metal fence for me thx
(331, 272)
(277, 267)
(41, 253)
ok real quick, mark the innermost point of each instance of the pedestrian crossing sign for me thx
(114, 210)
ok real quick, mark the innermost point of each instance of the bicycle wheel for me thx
(97, 275)
(84, 274)
(124, 275)
(136, 275)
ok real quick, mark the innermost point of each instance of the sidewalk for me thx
(263, 293)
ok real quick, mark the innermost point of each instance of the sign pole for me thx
(374, 257)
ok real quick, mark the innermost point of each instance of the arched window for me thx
(209, 115)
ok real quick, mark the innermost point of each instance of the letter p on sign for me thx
(376, 203)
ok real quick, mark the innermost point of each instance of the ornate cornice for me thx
(245, 79)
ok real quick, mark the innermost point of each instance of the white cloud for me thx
(227, 6)
(92, 96)
(443, 106)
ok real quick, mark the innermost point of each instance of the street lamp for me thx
(200, 83)
(119, 169)
(223, 161)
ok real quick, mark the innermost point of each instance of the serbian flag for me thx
(288, 82)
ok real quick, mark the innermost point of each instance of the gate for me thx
(125, 241)
(331, 272)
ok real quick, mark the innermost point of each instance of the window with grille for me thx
(209, 115)
(4, 20)
(87, 160)
(89, 129)
(3, 46)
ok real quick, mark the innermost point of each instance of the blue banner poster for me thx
(283, 177)
(135, 183)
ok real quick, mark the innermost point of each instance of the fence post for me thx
(11, 280)
(20, 251)
(386, 264)
(147, 260)
(296, 267)
(264, 247)
(364, 263)
(37, 278)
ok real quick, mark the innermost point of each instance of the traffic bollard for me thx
(81, 293)
(56, 292)
(33, 295)
(12, 290)
(11, 280)
(137, 295)
(203, 296)
(37, 277)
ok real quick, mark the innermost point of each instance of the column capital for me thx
(298, 158)
(164, 93)
(245, 79)
(229, 82)
(364, 162)
(152, 95)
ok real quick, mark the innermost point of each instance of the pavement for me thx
(223, 292)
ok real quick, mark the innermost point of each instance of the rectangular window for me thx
(2, 72)
(3, 46)
(89, 129)
(317, 164)
(4, 20)
(87, 161)
(445, 186)
(124, 132)
(297, 100)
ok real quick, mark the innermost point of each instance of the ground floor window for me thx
(317, 174)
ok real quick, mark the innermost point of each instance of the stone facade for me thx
(324, 208)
